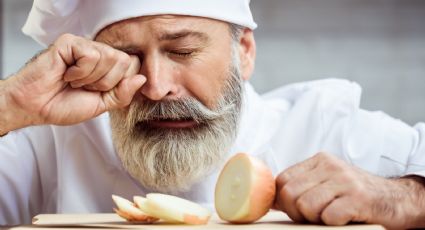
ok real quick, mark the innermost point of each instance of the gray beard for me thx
(171, 160)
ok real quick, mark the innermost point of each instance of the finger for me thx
(82, 68)
(312, 202)
(291, 195)
(84, 65)
(109, 59)
(125, 68)
(122, 95)
(289, 174)
(134, 67)
(297, 169)
(284, 203)
(296, 187)
(112, 78)
(339, 212)
(300, 185)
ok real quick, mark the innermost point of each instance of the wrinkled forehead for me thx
(164, 27)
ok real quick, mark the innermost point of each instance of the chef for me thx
(132, 97)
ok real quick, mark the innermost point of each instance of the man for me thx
(173, 76)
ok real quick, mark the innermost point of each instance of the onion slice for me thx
(173, 209)
(127, 210)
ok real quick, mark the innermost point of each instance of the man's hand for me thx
(324, 189)
(75, 79)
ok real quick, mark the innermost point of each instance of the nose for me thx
(159, 74)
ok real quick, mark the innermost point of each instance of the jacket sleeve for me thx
(402, 147)
(20, 185)
(374, 141)
(416, 161)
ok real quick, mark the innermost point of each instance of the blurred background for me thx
(378, 43)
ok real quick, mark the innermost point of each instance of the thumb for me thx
(123, 93)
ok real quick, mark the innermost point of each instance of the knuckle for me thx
(302, 204)
(323, 155)
(92, 55)
(107, 54)
(53, 48)
(123, 55)
(65, 38)
(305, 207)
(282, 179)
(288, 192)
(124, 60)
(113, 100)
(347, 177)
(332, 165)
(103, 85)
(358, 189)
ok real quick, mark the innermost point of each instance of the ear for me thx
(247, 52)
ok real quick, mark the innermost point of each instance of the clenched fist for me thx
(325, 189)
(75, 79)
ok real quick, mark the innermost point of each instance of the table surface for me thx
(273, 220)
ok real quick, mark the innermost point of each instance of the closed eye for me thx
(181, 53)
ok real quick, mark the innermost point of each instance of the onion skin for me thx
(262, 192)
(135, 218)
(195, 220)
(124, 215)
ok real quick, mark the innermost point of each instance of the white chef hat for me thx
(48, 19)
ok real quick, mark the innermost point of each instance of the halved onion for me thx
(245, 190)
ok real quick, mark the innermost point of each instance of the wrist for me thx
(9, 115)
(4, 112)
(415, 200)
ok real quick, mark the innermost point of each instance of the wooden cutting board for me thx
(273, 220)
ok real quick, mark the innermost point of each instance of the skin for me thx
(176, 61)
(44, 92)
(325, 189)
(154, 58)
(158, 63)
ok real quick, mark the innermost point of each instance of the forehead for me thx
(160, 26)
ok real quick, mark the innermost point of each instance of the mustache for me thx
(187, 108)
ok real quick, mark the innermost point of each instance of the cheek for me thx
(206, 82)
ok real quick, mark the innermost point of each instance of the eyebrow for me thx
(169, 36)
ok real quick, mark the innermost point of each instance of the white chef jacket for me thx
(75, 169)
